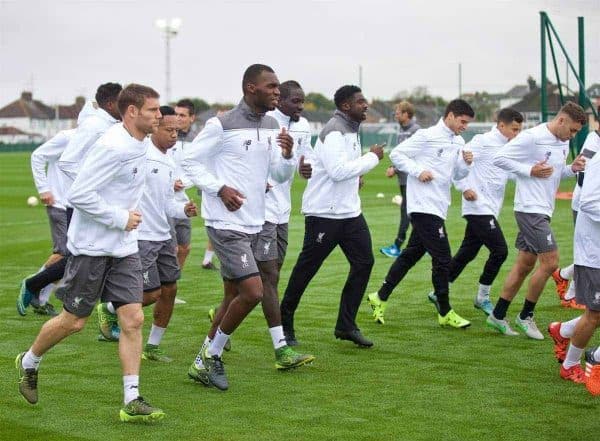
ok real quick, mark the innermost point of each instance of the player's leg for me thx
(320, 238)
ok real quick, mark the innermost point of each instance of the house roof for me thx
(517, 91)
(11, 131)
(27, 107)
(594, 90)
(532, 101)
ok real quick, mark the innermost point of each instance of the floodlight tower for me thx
(169, 28)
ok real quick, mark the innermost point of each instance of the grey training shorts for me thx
(181, 230)
(272, 243)
(58, 229)
(235, 251)
(587, 286)
(88, 279)
(535, 235)
(159, 263)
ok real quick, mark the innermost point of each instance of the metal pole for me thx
(543, 91)
(554, 63)
(582, 93)
(168, 66)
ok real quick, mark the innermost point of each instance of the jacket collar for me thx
(347, 120)
(441, 124)
(499, 136)
(280, 116)
(248, 112)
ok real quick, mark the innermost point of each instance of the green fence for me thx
(22, 147)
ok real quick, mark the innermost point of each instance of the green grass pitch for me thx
(419, 382)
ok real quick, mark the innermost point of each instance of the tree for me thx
(319, 101)
(200, 105)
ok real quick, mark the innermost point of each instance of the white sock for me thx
(597, 354)
(570, 294)
(208, 255)
(484, 292)
(216, 346)
(111, 309)
(130, 387)
(198, 361)
(573, 357)
(31, 361)
(567, 329)
(277, 337)
(45, 293)
(567, 272)
(156, 335)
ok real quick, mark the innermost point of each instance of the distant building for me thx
(33, 118)
(514, 95)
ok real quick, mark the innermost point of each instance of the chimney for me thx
(26, 96)
(531, 83)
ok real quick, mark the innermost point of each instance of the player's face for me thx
(510, 130)
(567, 128)
(293, 105)
(165, 136)
(266, 91)
(357, 107)
(184, 118)
(401, 117)
(148, 117)
(458, 124)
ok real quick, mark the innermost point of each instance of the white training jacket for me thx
(587, 228)
(110, 183)
(337, 165)
(158, 202)
(484, 178)
(237, 149)
(44, 167)
(589, 149)
(520, 154)
(278, 200)
(92, 122)
(176, 154)
(438, 150)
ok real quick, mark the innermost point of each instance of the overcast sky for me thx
(63, 48)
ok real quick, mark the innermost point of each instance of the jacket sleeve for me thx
(47, 152)
(333, 156)
(515, 157)
(402, 156)
(589, 201)
(99, 167)
(207, 144)
(461, 168)
(82, 141)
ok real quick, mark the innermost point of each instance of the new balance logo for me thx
(439, 152)
(154, 170)
(266, 248)
(492, 224)
(76, 302)
(441, 231)
(548, 154)
(247, 143)
(134, 171)
(320, 237)
(244, 259)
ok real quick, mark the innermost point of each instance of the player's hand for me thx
(47, 198)
(426, 176)
(286, 142)
(470, 195)
(390, 171)
(232, 199)
(304, 168)
(135, 218)
(467, 156)
(361, 182)
(378, 150)
(542, 169)
(577, 165)
(178, 186)
(190, 209)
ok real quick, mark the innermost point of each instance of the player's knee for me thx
(72, 323)
(594, 317)
(184, 249)
(132, 320)
(500, 254)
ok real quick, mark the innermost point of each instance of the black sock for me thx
(51, 274)
(385, 291)
(527, 310)
(443, 304)
(501, 308)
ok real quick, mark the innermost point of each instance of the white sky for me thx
(64, 48)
